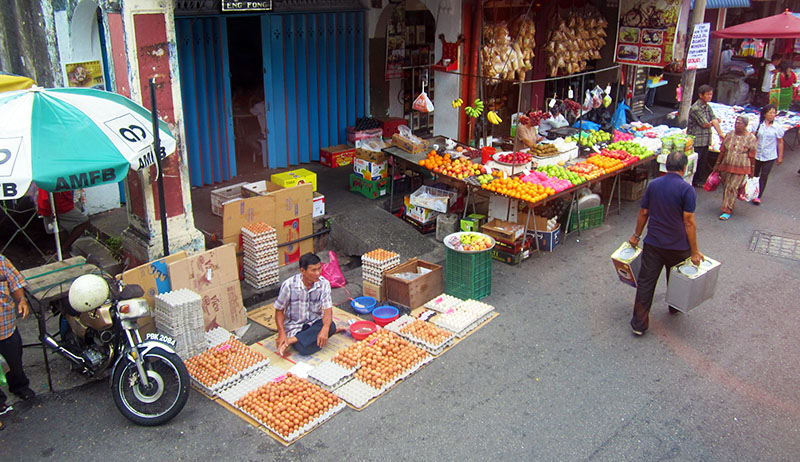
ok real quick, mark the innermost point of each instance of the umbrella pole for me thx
(160, 176)
(55, 224)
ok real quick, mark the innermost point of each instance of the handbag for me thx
(712, 182)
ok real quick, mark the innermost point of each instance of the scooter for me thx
(149, 382)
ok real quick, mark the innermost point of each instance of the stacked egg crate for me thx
(260, 246)
(374, 263)
(179, 314)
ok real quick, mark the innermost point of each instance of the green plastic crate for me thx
(369, 189)
(468, 275)
(591, 217)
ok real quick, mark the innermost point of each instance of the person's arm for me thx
(327, 319)
(22, 303)
(691, 234)
(281, 342)
(780, 151)
(721, 155)
(641, 222)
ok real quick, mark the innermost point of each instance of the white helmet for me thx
(88, 292)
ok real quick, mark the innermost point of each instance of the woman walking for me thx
(736, 160)
(770, 148)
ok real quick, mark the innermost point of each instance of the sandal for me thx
(725, 216)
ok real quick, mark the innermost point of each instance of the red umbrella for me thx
(784, 25)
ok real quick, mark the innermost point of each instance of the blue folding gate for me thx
(314, 86)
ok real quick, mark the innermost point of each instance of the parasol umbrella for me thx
(9, 82)
(784, 25)
(69, 138)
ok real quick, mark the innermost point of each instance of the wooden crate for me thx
(416, 292)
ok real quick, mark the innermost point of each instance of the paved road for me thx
(558, 376)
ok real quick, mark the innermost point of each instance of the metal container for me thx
(627, 262)
(691, 285)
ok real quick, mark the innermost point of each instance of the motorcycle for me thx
(99, 329)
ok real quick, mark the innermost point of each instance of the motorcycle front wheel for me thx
(164, 396)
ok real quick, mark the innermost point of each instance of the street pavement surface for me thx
(558, 376)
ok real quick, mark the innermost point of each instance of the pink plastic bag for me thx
(712, 182)
(332, 272)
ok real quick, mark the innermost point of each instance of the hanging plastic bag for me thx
(712, 182)
(332, 272)
(751, 189)
(423, 103)
(619, 118)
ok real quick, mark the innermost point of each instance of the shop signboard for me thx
(88, 74)
(697, 57)
(647, 32)
(246, 5)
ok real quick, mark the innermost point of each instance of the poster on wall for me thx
(697, 57)
(87, 74)
(647, 29)
(396, 43)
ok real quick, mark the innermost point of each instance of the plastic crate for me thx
(469, 275)
(369, 189)
(591, 217)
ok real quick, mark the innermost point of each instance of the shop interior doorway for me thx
(247, 90)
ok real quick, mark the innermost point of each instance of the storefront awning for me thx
(711, 4)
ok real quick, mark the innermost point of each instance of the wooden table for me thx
(50, 284)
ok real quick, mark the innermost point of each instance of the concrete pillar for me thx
(141, 38)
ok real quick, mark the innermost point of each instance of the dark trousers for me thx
(761, 171)
(653, 260)
(703, 169)
(307, 337)
(11, 349)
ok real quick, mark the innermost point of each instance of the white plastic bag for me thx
(423, 103)
(751, 189)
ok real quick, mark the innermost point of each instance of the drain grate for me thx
(774, 245)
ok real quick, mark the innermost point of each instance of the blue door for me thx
(314, 82)
(206, 94)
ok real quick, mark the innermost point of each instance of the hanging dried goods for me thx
(508, 49)
(574, 41)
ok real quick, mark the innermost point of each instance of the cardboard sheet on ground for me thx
(336, 344)
(264, 315)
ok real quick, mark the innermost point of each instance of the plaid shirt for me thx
(699, 115)
(300, 305)
(8, 312)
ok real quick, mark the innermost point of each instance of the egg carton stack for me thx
(357, 393)
(179, 314)
(260, 261)
(240, 365)
(216, 336)
(374, 263)
(443, 303)
(464, 317)
(330, 375)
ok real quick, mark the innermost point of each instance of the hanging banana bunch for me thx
(457, 103)
(492, 117)
(475, 110)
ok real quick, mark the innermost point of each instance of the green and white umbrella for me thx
(70, 138)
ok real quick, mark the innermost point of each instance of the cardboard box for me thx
(505, 230)
(415, 292)
(337, 156)
(541, 222)
(289, 230)
(503, 208)
(548, 240)
(368, 188)
(294, 178)
(273, 208)
(223, 195)
(632, 190)
(510, 258)
(473, 222)
(627, 261)
(371, 170)
(256, 188)
(375, 291)
(154, 279)
(318, 205)
(215, 276)
(372, 156)
(433, 198)
(408, 145)
(354, 135)
(419, 214)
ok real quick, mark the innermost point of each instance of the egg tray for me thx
(395, 325)
(258, 251)
(267, 232)
(250, 383)
(443, 302)
(262, 284)
(261, 273)
(235, 393)
(232, 379)
(216, 336)
(330, 375)
(469, 328)
(435, 350)
(262, 277)
(358, 393)
(474, 306)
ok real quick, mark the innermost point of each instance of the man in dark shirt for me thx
(668, 204)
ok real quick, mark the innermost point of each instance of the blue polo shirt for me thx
(666, 198)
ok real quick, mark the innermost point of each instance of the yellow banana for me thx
(494, 118)
(457, 103)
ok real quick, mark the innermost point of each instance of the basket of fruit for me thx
(469, 242)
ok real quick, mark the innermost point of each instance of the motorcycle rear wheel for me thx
(162, 400)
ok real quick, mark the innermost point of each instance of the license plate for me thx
(161, 338)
